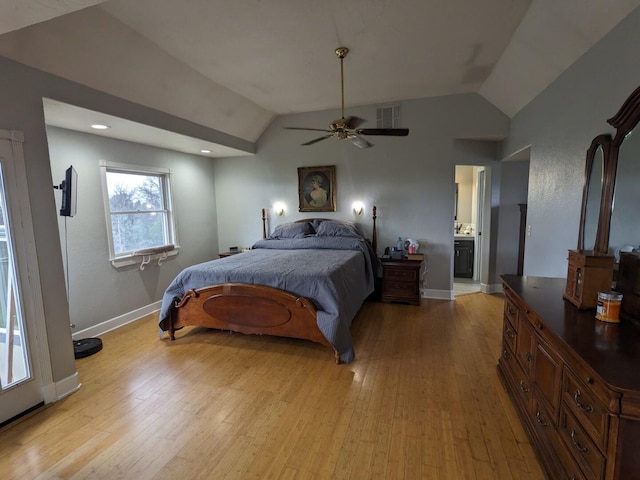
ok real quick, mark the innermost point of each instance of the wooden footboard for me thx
(249, 309)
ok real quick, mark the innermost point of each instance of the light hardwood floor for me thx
(421, 401)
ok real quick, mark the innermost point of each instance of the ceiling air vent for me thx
(388, 116)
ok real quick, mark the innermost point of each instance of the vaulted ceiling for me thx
(235, 65)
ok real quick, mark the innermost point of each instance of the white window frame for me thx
(128, 258)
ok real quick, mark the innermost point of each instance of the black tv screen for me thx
(69, 188)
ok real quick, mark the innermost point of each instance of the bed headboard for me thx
(374, 236)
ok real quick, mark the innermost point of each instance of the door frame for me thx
(40, 386)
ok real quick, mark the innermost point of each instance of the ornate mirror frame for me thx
(600, 143)
(624, 122)
(592, 270)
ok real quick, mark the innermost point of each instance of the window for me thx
(138, 208)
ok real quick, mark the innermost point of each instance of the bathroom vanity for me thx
(464, 254)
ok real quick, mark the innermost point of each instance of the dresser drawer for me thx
(517, 378)
(549, 440)
(588, 410)
(510, 334)
(594, 386)
(578, 442)
(510, 309)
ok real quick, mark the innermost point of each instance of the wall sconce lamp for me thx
(358, 207)
(278, 208)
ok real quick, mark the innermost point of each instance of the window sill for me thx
(145, 257)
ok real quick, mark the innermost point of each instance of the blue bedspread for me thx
(335, 273)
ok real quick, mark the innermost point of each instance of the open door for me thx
(24, 357)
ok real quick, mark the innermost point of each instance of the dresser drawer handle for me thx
(523, 388)
(529, 357)
(540, 420)
(510, 334)
(506, 355)
(582, 448)
(511, 310)
(584, 408)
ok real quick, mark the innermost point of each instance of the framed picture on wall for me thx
(317, 189)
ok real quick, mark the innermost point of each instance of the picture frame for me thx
(317, 188)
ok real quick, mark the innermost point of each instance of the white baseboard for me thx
(112, 324)
(449, 294)
(491, 288)
(61, 389)
(436, 294)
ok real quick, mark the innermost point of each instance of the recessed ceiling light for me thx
(99, 126)
(205, 150)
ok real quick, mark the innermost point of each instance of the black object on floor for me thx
(86, 346)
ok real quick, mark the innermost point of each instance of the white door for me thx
(24, 367)
(480, 206)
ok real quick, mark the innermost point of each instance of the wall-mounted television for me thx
(69, 187)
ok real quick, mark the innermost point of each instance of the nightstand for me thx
(227, 254)
(401, 281)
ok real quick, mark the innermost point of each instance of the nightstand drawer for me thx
(401, 274)
(391, 287)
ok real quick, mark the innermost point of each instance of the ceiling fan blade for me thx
(396, 132)
(359, 141)
(311, 129)
(353, 122)
(311, 142)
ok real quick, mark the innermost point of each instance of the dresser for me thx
(401, 281)
(575, 382)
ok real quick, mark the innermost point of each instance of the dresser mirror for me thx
(625, 217)
(620, 218)
(592, 193)
(610, 195)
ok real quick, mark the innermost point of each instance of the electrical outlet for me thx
(528, 230)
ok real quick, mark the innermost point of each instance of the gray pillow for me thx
(337, 228)
(293, 230)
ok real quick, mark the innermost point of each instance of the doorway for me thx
(468, 226)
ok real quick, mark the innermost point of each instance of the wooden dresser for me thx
(401, 281)
(575, 382)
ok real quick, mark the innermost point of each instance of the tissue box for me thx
(397, 254)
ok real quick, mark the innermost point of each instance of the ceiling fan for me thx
(348, 127)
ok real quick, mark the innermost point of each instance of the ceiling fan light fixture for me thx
(347, 127)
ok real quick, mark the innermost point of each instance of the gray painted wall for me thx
(513, 191)
(410, 179)
(559, 125)
(21, 91)
(98, 291)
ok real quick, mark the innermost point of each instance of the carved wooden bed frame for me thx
(234, 307)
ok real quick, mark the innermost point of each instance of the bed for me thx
(307, 280)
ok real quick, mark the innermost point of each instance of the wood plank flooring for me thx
(421, 401)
